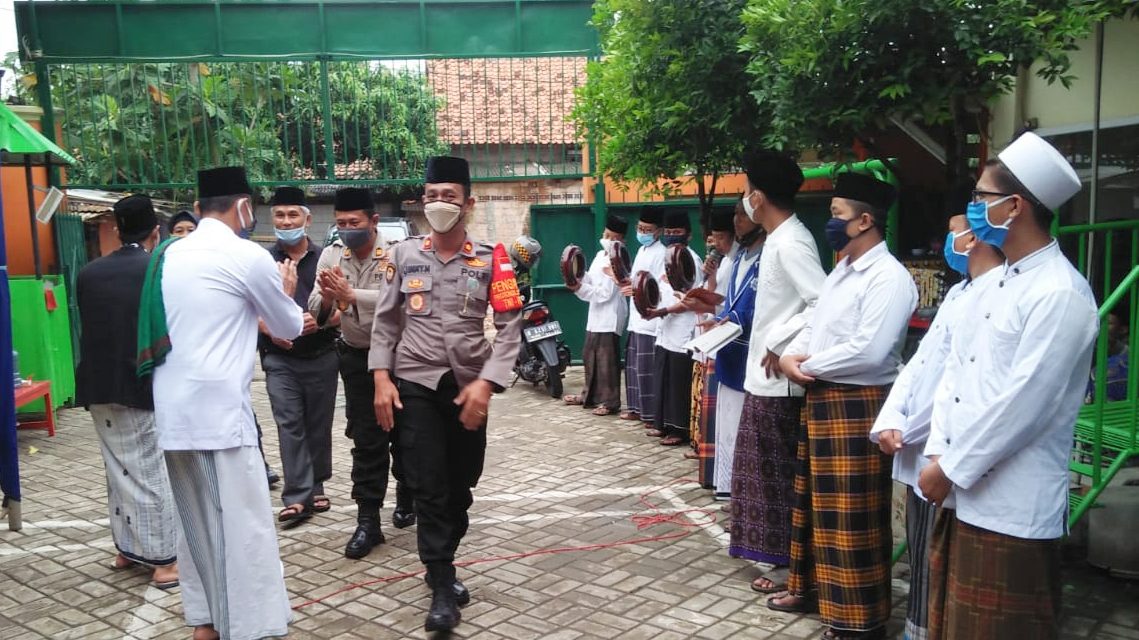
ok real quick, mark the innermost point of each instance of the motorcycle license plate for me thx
(549, 330)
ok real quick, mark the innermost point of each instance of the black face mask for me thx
(750, 237)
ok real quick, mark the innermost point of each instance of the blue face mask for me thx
(645, 238)
(355, 238)
(667, 240)
(957, 261)
(977, 213)
(836, 233)
(290, 237)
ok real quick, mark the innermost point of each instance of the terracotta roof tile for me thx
(506, 100)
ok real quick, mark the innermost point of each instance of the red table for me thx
(25, 394)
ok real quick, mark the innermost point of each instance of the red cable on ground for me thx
(642, 521)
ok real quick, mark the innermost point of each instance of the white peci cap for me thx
(1041, 169)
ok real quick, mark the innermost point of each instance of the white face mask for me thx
(748, 208)
(442, 216)
(605, 244)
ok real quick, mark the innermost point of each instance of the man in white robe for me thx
(214, 287)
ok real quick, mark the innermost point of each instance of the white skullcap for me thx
(1041, 169)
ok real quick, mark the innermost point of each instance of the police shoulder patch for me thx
(389, 272)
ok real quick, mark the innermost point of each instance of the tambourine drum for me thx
(573, 265)
(646, 292)
(620, 261)
(680, 267)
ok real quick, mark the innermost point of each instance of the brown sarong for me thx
(704, 419)
(840, 527)
(763, 477)
(602, 371)
(988, 586)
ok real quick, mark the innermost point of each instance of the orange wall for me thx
(17, 222)
(728, 189)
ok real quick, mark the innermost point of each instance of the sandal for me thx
(775, 582)
(164, 586)
(121, 562)
(803, 604)
(691, 455)
(672, 441)
(602, 411)
(630, 415)
(294, 515)
(653, 433)
(321, 503)
(573, 400)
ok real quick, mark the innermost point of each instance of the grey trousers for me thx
(302, 393)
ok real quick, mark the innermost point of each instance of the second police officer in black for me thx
(435, 369)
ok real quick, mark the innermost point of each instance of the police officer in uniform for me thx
(435, 370)
(349, 278)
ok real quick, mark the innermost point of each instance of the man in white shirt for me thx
(606, 320)
(640, 353)
(673, 364)
(849, 353)
(215, 285)
(903, 425)
(1002, 428)
(788, 280)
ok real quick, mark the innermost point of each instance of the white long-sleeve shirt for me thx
(790, 277)
(676, 329)
(1005, 412)
(909, 407)
(856, 332)
(651, 259)
(215, 286)
(608, 309)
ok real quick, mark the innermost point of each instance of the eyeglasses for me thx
(979, 196)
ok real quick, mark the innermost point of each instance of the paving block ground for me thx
(557, 548)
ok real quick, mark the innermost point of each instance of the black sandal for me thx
(877, 633)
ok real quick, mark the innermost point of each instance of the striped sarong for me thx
(640, 376)
(763, 479)
(602, 371)
(229, 567)
(144, 523)
(987, 586)
(840, 527)
(919, 527)
(674, 392)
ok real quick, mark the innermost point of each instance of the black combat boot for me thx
(367, 534)
(444, 614)
(404, 514)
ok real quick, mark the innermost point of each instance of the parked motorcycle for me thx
(543, 357)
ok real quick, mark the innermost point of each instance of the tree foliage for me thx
(157, 123)
(833, 71)
(669, 98)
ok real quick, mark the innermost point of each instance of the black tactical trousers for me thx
(442, 462)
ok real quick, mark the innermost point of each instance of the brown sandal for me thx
(294, 514)
(573, 400)
(803, 604)
(672, 441)
(321, 503)
(630, 415)
(602, 411)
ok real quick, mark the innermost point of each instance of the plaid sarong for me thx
(602, 371)
(763, 478)
(640, 376)
(704, 438)
(986, 585)
(840, 527)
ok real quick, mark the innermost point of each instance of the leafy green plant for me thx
(669, 100)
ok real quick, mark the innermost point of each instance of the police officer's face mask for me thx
(442, 216)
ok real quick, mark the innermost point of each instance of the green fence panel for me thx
(71, 243)
(556, 227)
(43, 338)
